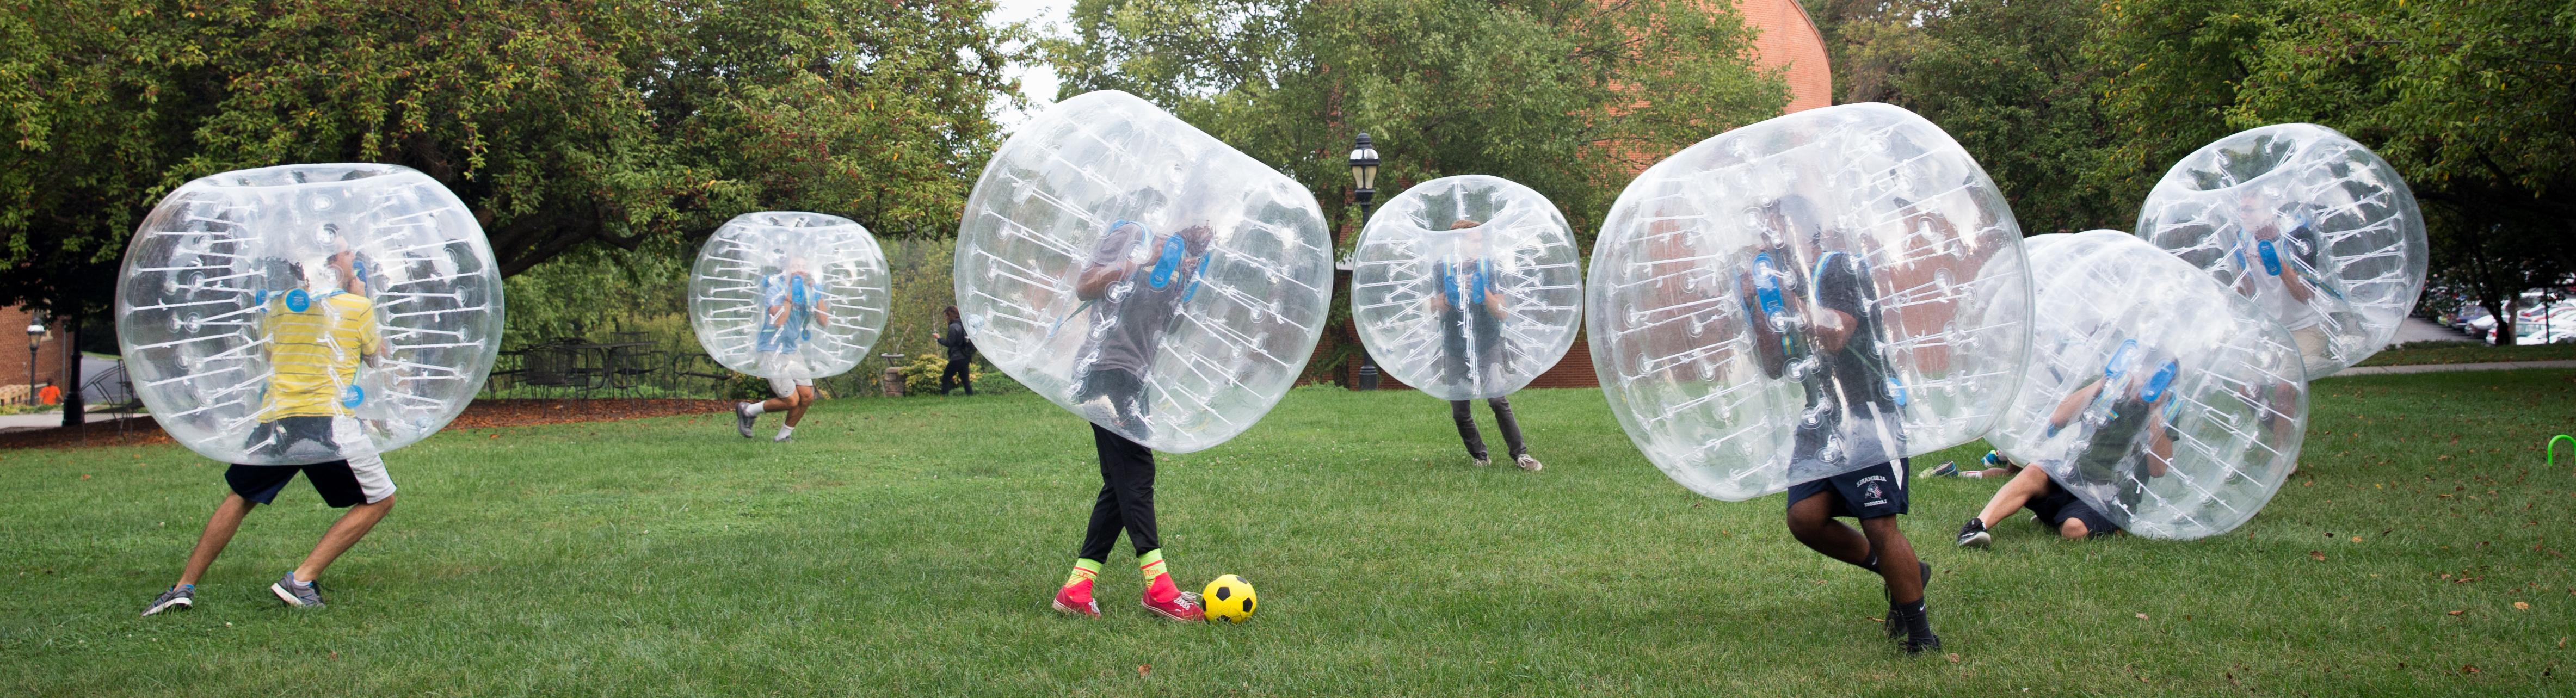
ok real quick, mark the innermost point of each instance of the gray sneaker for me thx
(175, 599)
(743, 419)
(1483, 461)
(1528, 463)
(308, 595)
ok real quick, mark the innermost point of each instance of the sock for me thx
(784, 431)
(755, 408)
(184, 587)
(1916, 622)
(1083, 572)
(1158, 582)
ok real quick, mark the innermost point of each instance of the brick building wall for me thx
(50, 354)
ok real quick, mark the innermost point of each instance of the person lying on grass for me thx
(2126, 439)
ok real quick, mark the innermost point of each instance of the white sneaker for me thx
(743, 418)
(1528, 463)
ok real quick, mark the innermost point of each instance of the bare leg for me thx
(344, 534)
(2074, 529)
(805, 396)
(1896, 561)
(219, 533)
(1811, 522)
(2031, 483)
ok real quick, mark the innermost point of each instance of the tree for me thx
(597, 122)
(2011, 82)
(2473, 102)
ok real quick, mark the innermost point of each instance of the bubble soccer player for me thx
(1143, 275)
(791, 308)
(304, 319)
(2121, 420)
(1469, 299)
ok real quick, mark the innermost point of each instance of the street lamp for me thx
(35, 338)
(1364, 174)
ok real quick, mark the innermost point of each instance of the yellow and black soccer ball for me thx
(1228, 599)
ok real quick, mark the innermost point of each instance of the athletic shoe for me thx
(1973, 534)
(1915, 643)
(1087, 608)
(782, 437)
(1528, 463)
(743, 419)
(175, 599)
(1947, 468)
(1896, 630)
(308, 595)
(1482, 461)
(1183, 608)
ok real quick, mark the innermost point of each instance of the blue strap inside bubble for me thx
(352, 395)
(2157, 383)
(1766, 285)
(1896, 390)
(1168, 265)
(2271, 257)
(297, 300)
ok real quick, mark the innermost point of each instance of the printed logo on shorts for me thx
(1869, 487)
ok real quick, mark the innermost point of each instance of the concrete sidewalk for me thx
(2441, 368)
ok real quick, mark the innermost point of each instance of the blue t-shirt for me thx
(800, 297)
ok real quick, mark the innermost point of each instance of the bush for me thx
(921, 375)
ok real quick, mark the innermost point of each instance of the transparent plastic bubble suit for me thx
(789, 294)
(1142, 274)
(2166, 402)
(1807, 296)
(2318, 230)
(308, 313)
(1467, 287)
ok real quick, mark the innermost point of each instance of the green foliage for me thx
(921, 374)
(561, 125)
(1570, 97)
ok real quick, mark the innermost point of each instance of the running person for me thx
(791, 306)
(1138, 281)
(2126, 440)
(1851, 415)
(315, 343)
(1470, 309)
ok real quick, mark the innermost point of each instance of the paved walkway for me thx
(2438, 368)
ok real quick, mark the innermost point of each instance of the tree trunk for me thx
(2502, 308)
(73, 415)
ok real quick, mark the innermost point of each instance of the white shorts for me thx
(786, 387)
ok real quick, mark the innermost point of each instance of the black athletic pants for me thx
(1511, 428)
(955, 376)
(1126, 497)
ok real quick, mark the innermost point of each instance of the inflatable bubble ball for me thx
(308, 313)
(789, 295)
(1467, 287)
(2320, 232)
(1807, 296)
(1141, 274)
(2168, 403)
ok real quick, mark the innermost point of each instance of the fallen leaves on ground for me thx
(2521, 605)
(2320, 555)
(2458, 612)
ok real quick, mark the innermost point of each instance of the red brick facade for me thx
(50, 355)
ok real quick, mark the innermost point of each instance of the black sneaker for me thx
(1973, 534)
(1895, 629)
(175, 599)
(1912, 630)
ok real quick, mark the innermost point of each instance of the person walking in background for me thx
(316, 339)
(961, 355)
(1471, 314)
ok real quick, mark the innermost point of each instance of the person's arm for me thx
(1108, 264)
(371, 347)
(2073, 405)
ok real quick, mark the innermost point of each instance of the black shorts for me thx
(2058, 505)
(340, 484)
(1867, 493)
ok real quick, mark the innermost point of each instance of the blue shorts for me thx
(2058, 505)
(1867, 493)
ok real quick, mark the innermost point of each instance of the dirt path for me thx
(482, 414)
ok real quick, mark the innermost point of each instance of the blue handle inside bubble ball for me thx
(2156, 384)
(1896, 390)
(2271, 257)
(1766, 285)
(259, 297)
(297, 300)
(352, 395)
(1169, 264)
(796, 289)
(2121, 358)
(358, 268)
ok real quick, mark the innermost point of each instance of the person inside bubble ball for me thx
(1470, 308)
(1802, 275)
(317, 335)
(2277, 248)
(2124, 439)
(1137, 279)
(791, 307)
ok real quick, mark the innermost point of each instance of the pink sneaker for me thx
(1086, 607)
(1183, 607)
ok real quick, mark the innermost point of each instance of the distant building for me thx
(50, 353)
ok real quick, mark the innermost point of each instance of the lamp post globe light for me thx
(35, 338)
(1364, 175)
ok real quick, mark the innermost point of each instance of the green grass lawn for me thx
(906, 546)
(2466, 353)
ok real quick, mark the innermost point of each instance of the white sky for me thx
(1038, 81)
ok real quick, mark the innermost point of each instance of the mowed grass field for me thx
(907, 547)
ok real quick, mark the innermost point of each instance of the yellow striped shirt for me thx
(313, 355)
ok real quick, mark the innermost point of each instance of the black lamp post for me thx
(35, 338)
(1364, 174)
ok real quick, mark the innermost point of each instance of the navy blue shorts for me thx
(341, 484)
(2058, 505)
(1867, 493)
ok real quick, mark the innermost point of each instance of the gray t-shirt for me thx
(1152, 297)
